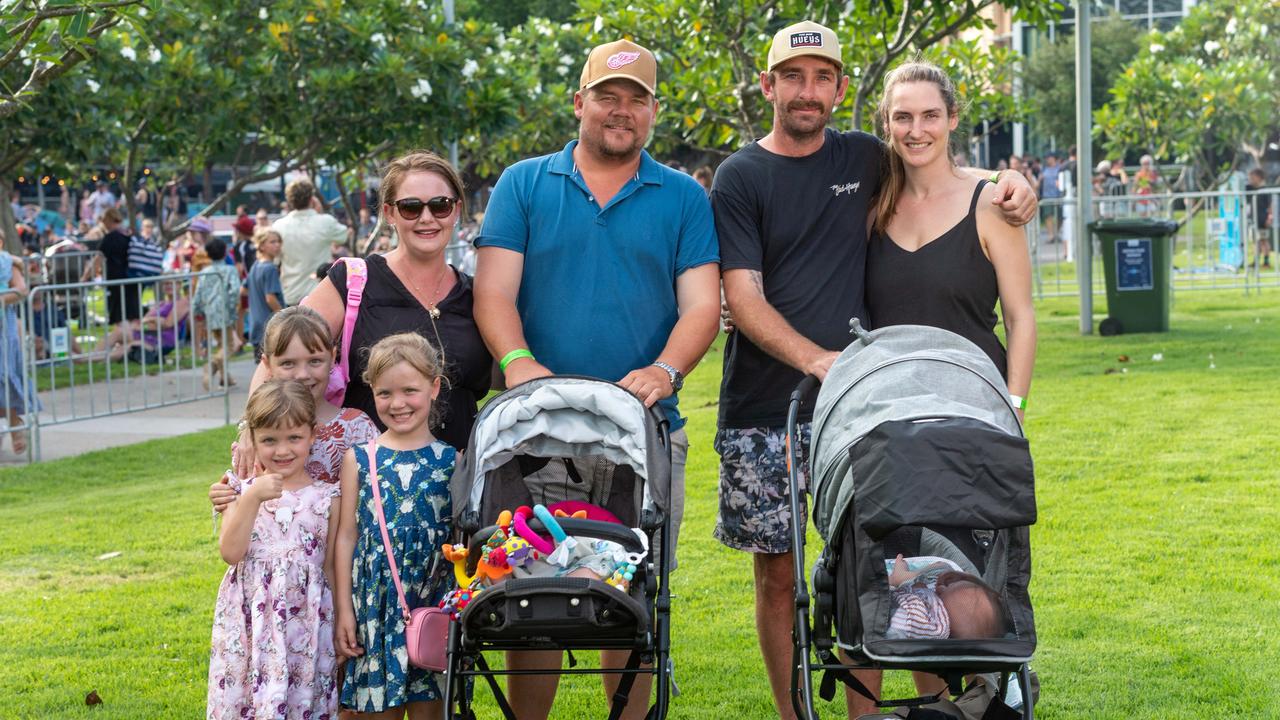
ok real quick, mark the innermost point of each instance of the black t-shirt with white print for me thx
(801, 222)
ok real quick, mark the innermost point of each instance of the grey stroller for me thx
(916, 450)
(518, 439)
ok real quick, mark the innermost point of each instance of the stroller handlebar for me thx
(806, 386)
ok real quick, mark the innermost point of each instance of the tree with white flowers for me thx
(43, 40)
(1204, 93)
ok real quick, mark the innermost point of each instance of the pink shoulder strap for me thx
(372, 449)
(357, 274)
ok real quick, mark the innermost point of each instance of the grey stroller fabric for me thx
(902, 372)
(563, 417)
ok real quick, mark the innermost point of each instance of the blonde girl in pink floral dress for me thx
(297, 346)
(273, 653)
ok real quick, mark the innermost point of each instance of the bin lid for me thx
(1141, 227)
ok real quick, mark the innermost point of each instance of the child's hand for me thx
(344, 636)
(221, 494)
(900, 572)
(266, 487)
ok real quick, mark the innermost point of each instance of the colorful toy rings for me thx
(550, 523)
(537, 542)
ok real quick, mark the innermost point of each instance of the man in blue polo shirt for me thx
(598, 260)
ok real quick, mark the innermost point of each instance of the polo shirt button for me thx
(590, 199)
(600, 220)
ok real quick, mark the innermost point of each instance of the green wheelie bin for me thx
(1137, 258)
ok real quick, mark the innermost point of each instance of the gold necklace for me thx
(432, 309)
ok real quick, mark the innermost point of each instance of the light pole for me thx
(1084, 166)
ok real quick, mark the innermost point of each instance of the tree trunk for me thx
(131, 167)
(126, 183)
(8, 223)
(208, 188)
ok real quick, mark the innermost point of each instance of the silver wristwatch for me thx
(677, 377)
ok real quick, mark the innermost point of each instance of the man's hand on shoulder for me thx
(1015, 199)
(649, 383)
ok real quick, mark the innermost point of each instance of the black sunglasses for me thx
(439, 206)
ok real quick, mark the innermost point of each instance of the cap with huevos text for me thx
(804, 38)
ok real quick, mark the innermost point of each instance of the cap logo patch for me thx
(806, 39)
(617, 60)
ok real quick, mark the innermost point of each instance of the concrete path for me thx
(81, 436)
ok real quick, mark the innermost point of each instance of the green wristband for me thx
(994, 178)
(1018, 401)
(513, 356)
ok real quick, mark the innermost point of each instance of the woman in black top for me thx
(412, 288)
(391, 306)
(941, 254)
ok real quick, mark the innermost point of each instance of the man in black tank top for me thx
(791, 214)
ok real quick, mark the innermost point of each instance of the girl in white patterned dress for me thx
(273, 654)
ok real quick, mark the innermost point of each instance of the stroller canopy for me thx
(904, 373)
(564, 417)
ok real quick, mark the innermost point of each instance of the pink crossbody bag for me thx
(426, 629)
(340, 373)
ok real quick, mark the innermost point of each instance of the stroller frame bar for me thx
(802, 665)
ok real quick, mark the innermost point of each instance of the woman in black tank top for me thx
(941, 255)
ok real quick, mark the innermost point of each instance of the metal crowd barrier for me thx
(79, 366)
(1215, 248)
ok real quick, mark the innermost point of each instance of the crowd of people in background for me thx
(279, 249)
(226, 297)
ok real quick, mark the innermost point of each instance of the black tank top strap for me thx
(977, 193)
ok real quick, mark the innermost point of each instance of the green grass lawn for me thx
(1156, 558)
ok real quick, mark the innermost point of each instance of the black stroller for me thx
(548, 422)
(916, 450)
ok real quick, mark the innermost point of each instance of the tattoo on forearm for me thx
(757, 280)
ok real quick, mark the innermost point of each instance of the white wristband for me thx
(1018, 401)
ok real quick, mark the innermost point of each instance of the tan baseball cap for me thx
(805, 38)
(620, 59)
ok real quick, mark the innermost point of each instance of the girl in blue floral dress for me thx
(414, 468)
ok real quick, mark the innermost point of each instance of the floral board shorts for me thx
(755, 509)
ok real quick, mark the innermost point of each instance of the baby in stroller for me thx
(933, 598)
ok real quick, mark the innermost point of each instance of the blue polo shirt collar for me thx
(649, 172)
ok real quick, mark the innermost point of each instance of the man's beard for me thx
(596, 140)
(802, 130)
